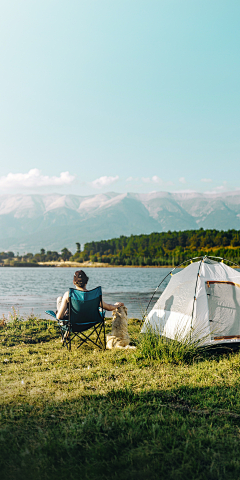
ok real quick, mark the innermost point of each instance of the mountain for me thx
(31, 222)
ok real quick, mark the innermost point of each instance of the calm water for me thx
(34, 290)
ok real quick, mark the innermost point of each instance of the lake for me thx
(34, 290)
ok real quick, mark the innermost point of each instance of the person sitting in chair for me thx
(80, 280)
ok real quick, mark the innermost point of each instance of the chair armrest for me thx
(60, 322)
(50, 312)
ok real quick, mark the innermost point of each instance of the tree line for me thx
(28, 259)
(165, 248)
(155, 249)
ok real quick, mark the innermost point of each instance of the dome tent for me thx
(201, 301)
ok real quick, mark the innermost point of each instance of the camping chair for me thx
(85, 313)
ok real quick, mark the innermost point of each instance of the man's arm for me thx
(110, 308)
(63, 307)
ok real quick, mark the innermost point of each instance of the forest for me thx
(30, 259)
(165, 248)
(155, 249)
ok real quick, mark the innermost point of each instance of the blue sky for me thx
(126, 95)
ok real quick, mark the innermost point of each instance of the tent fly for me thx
(201, 302)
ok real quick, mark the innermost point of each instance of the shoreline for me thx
(97, 265)
(81, 265)
(87, 265)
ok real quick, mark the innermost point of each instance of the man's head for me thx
(80, 278)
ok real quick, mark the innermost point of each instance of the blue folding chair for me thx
(85, 313)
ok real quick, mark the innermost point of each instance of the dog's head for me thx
(120, 312)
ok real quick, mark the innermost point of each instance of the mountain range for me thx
(54, 221)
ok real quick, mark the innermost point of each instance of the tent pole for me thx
(225, 259)
(194, 298)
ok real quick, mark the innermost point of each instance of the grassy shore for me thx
(91, 414)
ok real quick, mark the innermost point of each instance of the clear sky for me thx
(119, 95)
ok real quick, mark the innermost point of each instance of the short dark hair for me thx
(80, 278)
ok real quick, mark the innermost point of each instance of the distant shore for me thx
(79, 265)
(87, 264)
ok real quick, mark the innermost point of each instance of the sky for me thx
(125, 96)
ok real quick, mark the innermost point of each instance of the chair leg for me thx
(99, 341)
(104, 337)
(67, 339)
(65, 336)
(62, 335)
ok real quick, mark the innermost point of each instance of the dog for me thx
(119, 337)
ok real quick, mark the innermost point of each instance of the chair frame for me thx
(68, 335)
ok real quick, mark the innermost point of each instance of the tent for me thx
(202, 301)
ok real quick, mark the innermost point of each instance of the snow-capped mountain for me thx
(30, 222)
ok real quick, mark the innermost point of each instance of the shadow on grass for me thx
(185, 433)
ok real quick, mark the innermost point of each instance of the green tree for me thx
(65, 254)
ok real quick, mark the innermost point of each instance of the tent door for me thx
(224, 308)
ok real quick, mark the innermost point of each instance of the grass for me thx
(156, 347)
(116, 414)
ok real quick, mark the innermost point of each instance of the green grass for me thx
(185, 348)
(88, 414)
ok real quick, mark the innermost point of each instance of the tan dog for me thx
(119, 337)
